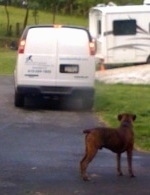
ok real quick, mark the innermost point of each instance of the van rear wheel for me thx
(83, 103)
(19, 100)
(77, 102)
(87, 103)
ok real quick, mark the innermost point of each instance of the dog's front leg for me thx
(119, 164)
(129, 158)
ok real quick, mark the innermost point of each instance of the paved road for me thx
(40, 150)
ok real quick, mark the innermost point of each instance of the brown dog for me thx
(117, 140)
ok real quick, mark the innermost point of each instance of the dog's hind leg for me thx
(129, 159)
(90, 153)
(119, 164)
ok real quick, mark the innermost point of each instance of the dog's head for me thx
(126, 117)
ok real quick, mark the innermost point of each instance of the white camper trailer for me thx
(122, 33)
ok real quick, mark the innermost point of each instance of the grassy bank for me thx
(7, 62)
(113, 99)
(17, 16)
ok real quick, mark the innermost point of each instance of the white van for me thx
(55, 60)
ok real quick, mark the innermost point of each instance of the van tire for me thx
(83, 103)
(88, 104)
(19, 100)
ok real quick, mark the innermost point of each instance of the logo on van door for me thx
(36, 61)
(37, 65)
(29, 58)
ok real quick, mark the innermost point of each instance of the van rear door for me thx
(39, 56)
(75, 62)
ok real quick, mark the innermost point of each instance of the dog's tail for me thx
(87, 131)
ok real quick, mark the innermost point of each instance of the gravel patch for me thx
(129, 75)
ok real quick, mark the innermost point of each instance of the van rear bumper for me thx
(50, 91)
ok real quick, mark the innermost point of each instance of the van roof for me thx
(121, 9)
(55, 26)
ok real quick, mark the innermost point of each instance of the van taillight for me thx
(57, 25)
(21, 46)
(92, 47)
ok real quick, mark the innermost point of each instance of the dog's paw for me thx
(86, 178)
(120, 174)
(132, 176)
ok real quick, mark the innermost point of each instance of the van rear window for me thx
(124, 27)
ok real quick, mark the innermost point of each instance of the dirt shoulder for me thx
(130, 75)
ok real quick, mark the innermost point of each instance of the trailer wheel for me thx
(18, 100)
(148, 60)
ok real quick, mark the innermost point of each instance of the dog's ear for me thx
(133, 117)
(119, 117)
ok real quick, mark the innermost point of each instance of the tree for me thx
(8, 28)
(35, 7)
(77, 7)
(26, 17)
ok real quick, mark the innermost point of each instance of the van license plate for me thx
(65, 68)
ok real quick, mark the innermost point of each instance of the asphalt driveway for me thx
(40, 150)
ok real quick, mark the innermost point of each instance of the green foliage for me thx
(110, 100)
(53, 7)
(79, 7)
(17, 16)
(7, 62)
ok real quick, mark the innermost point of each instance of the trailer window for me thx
(124, 27)
(99, 27)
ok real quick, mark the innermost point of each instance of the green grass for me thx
(7, 62)
(113, 99)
